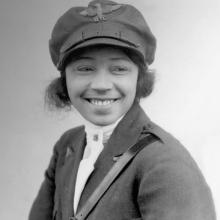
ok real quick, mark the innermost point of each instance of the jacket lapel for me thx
(73, 157)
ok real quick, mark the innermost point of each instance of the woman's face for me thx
(101, 84)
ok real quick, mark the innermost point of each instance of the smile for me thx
(101, 102)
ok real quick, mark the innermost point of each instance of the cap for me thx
(102, 22)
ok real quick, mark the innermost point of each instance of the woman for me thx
(102, 52)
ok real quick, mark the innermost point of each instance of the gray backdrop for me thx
(185, 100)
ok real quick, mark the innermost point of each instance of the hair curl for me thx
(57, 97)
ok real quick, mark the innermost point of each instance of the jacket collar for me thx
(129, 130)
(127, 133)
(73, 155)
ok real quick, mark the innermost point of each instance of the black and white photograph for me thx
(110, 110)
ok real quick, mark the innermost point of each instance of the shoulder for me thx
(169, 177)
(166, 153)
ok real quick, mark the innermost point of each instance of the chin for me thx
(103, 122)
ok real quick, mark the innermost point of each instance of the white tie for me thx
(92, 150)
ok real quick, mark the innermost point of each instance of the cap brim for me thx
(95, 42)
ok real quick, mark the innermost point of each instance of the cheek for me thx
(128, 88)
(73, 88)
(132, 84)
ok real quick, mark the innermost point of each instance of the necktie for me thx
(93, 148)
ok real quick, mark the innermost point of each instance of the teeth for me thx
(101, 102)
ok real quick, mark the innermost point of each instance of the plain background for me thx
(185, 100)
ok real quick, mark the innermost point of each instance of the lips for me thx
(100, 102)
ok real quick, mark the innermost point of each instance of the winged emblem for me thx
(97, 9)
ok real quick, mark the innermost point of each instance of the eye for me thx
(85, 68)
(119, 69)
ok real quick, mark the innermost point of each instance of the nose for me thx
(101, 81)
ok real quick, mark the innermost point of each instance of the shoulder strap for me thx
(112, 175)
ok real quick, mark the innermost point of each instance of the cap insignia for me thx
(97, 10)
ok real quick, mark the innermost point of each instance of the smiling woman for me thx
(101, 84)
(57, 95)
(103, 52)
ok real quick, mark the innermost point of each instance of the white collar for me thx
(95, 131)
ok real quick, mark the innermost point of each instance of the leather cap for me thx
(102, 22)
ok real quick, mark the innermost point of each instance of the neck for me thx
(105, 131)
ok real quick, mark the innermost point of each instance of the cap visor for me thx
(95, 42)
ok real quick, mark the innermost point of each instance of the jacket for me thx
(162, 182)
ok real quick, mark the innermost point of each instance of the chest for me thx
(120, 200)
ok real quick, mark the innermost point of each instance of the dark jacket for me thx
(161, 183)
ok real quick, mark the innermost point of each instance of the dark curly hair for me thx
(56, 94)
